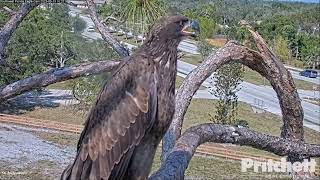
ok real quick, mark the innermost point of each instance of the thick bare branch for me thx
(267, 65)
(114, 43)
(282, 82)
(12, 25)
(54, 76)
(178, 159)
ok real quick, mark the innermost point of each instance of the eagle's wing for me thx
(124, 111)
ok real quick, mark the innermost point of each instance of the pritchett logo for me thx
(278, 166)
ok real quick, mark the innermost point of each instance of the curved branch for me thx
(12, 25)
(178, 159)
(114, 43)
(282, 82)
(54, 76)
(265, 63)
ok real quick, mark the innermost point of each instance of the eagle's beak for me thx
(194, 25)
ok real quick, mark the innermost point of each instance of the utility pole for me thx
(61, 50)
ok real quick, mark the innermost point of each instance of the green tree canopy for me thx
(36, 45)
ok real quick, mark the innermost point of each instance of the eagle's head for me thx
(170, 30)
(174, 27)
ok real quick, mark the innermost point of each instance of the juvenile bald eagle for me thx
(133, 110)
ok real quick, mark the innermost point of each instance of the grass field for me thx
(192, 59)
(65, 85)
(198, 113)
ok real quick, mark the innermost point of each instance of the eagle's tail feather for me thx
(119, 171)
(77, 169)
(66, 173)
(86, 169)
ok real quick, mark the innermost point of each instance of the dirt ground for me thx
(35, 154)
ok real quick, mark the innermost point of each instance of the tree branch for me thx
(282, 82)
(178, 159)
(12, 25)
(53, 76)
(114, 43)
(265, 63)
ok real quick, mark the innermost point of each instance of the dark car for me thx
(309, 73)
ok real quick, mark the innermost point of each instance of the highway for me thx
(261, 97)
(183, 46)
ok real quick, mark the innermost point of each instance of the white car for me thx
(91, 29)
(141, 37)
(129, 35)
(112, 29)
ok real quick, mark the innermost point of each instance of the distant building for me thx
(83, 4)
(101, 2)
(258, 22)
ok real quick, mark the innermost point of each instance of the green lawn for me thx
(215, 168)
(65, 85)
(192, 59)
(200, 109)
(197, 113)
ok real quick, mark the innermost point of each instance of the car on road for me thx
(129, 35)
(309, 73)
(91, 29)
